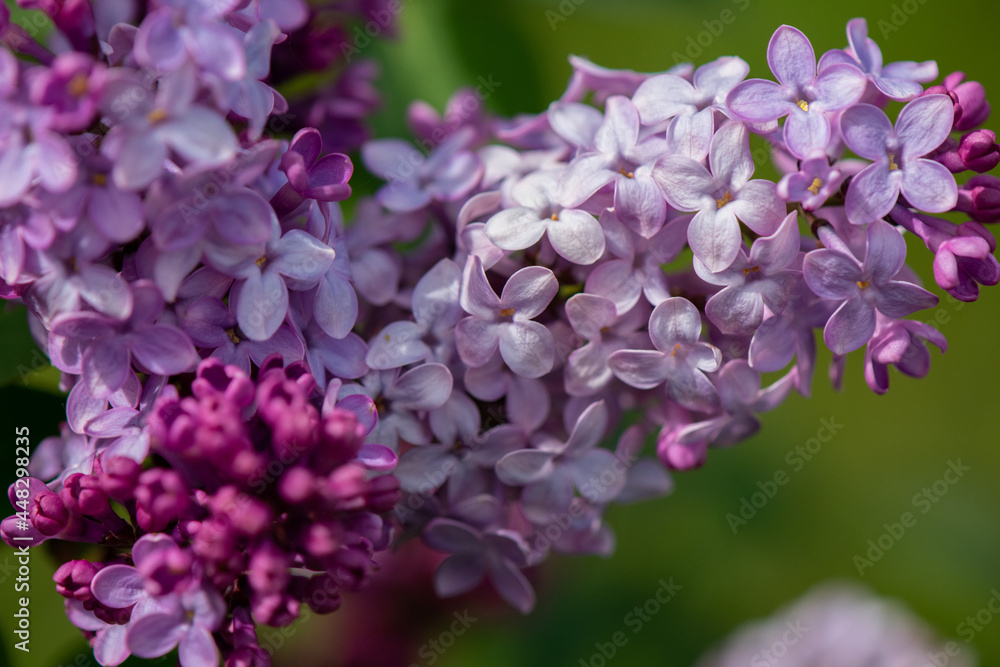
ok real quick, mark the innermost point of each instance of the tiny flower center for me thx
(506, 312)
(260, 262)
(803, 105)
(626, 174)
(232, 336)
(815, 186)
(726, 198)
(753, 269)
(78, 85)
(157, 115)
(863, 284)
(99, 180)
(677, 348)
(892, 162)
(554, 216)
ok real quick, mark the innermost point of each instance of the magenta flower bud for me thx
(980, 198)
(277, 609)
(49, 514)
(339, 441)
(268, 571)
(320, 592)
(119, 477)
(246, 514)
(345, 488)
(113, 616)
(297, 485)
(167, 570)
(383, 494)
(82, 494)
(161, 498)
(978, 150)
(73, 579)
(971, 98)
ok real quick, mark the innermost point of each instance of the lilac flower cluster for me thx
(245, 368)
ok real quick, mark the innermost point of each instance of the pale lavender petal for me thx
(590, 473)
(476, 340)
(791, 57)
(263, 304)
(527, 348)
(759, 101)
(615, 280)
(105, 290)
(777, 251)
(397, 345)
(423, 469)
(515, 228)
(772, 346)
(513, 586)
(574, 122)
(578, 236)
(116, 214)
(301, 256)
(684, 182)
(105, 366)
(929, 186)
(899, 299)
(548, 498)
(163, 350)
(924, 124)
(690, 135)
(872, 193)
(730, 158)
(676, 320)
(643, 369)
(525, 466)
(620, 130)
(198, 649)
(528, 403)
(638, 204)
(838, 87)
(477, 297)
(425, 387)
(850, 326)
(140, 161)
(736, 310)
(664, 96)
(714, 236)
(436, 296)
(118, 586)
(807, 132)
(589, 313)
(376, 275)
(155, 635)
(450, 536)
(866, 130)
(885, 251)
(110, 647)
(529, 292)
(583, 177)
(459, 574)
(830, 274)
(201, 136)
(589, 428)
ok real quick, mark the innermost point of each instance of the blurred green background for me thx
(888, 450)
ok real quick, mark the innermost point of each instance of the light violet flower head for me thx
(801, 94)
(722, 197)
(898, 162)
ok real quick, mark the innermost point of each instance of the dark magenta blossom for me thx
(979, 197)
(863, 288)
(314, 177)
(898, 163)
(903, 344)
(968, 97)
(71, 88)
(801, 94)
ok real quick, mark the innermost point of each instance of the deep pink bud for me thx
(49, 514)
(978, 150)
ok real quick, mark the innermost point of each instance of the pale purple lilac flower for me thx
(801, 94)
(899, 166)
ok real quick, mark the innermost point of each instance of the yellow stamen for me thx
(232, 336)
(754, 269)
(892, 162)
(156, 116)
(863, 284)
(677, 347)
(99, 180)
(554, 216)
(626, 174)
(506, 312)
(387, 338)
(815, 186)
(78, 85)
(260, 262)
(803, 105)
(726, 198)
